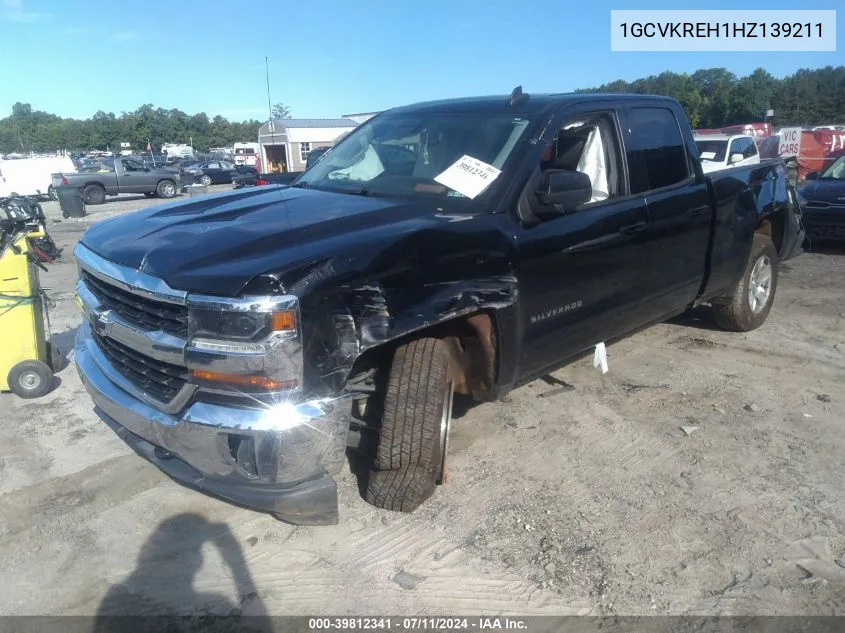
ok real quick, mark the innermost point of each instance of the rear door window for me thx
(657, 156)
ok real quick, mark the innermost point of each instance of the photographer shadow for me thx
(161, 589)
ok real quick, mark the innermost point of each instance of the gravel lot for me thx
(593, 500)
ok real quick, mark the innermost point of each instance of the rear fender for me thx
(744, 199)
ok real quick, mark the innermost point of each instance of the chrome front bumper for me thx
(291, 450)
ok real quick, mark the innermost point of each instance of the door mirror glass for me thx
(566, 189)
(735, 158)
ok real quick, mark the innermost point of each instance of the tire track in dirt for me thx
(89, 491)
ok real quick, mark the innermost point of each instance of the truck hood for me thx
(830, 191)
(217, 244)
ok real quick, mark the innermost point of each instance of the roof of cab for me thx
(535, 103)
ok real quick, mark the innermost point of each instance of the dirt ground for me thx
(593, 500)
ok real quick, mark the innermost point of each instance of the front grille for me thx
(140, 311)
(160, 380)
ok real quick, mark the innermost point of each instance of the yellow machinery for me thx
(27, 360)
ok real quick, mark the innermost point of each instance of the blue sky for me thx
(327, 58)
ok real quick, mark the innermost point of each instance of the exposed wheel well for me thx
(472, 342)
(774, 227)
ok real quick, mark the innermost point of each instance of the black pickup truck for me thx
(243, 341)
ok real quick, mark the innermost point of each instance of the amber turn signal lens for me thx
(247, 381)
(283, 321)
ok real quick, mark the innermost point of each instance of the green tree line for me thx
(711, 97)
(28, 130)
(715, 97)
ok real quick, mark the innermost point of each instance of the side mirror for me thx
(813, 175)
(735, 158)
(565, 188)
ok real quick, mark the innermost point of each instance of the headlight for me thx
(249, 343)
(241, 326)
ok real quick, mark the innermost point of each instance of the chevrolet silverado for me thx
(244, 341)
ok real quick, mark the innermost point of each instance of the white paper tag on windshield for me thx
(468, 176)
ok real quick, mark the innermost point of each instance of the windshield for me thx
(713, 151)
(836, 171)
(406, 154)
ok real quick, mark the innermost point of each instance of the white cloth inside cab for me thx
(592, 163)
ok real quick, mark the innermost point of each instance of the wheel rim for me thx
(167, 189)
(445, 424)
(760, 285)
(205, 180)
(29, 380)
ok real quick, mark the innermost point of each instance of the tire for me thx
(205, 179)
(410, 456)
(30, 379)
(94, 194)
(166, 189)
(51, 193)
(748, 306)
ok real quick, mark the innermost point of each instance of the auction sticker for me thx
(468, 176)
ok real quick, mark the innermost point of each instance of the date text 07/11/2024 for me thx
(416, 624)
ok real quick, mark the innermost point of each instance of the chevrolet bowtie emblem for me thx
(102, 323)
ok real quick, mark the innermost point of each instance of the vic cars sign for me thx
(790, 142)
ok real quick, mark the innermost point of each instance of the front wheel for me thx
(205, 179)
(166, 189)
(411, 454)
(748, 306)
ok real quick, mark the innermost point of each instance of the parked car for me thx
(103, 177)
(181, 164)
(719, 151)
(823, 203)
(217, 172)
(229, 342)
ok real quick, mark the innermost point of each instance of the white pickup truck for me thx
(720, 151)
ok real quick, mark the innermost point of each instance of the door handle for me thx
(631, 229)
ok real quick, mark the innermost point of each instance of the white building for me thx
(285, 143)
